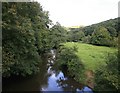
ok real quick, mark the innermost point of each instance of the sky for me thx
(80, 12)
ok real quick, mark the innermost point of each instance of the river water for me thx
(48, 79)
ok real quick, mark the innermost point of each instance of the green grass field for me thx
(92, 56)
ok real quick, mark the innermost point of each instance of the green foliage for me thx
(96, 58)
(88, 30)
(75, 35)
(107, 76)
(95, 35)
(57, 35)
(104, 33)
(87, 39)
(25, 28)
(80, 57)
(111, 25)
(67, 57)
(90, 55)
(112, 31)
(101, 37)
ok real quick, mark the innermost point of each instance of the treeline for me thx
(27, 33)
(104, 33)
(25, 28)
(26, 37)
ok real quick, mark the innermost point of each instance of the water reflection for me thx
(31, 83)
(48, 79)
(57, 81)
(53, 85)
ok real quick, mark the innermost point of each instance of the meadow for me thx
(91, 56)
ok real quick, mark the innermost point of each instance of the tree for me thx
(57, 35)
(25, 28)
(75, 36)
(111, 27)
(107, 76)
(67, 59)
(87, 39)
(101, 36)
(112, 31)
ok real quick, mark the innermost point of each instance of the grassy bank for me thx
(92, 56)
(90, 64)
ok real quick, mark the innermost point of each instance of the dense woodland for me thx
(28, 33)
(104, 33)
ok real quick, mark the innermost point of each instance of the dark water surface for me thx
(47, 79)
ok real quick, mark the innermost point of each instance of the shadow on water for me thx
(30, 83)
(48, 79)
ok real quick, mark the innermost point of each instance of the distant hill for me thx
(103, 33)
(75, 26)
(111, 24)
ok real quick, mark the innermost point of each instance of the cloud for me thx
(80, 12)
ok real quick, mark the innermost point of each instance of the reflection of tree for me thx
(68, 84)
(31, 83)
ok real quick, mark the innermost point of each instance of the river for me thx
(48, 79)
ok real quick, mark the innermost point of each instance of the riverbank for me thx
(83, 61)
(77, 73)
(48, 79)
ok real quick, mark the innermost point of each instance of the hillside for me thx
(104, 33)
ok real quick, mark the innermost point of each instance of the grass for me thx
(92, 56)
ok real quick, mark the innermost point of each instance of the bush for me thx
(107, 76)
(67, 58)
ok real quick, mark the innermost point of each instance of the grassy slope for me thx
(92, 56)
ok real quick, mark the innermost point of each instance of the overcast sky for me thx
(80, 12)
